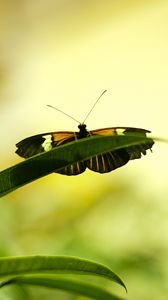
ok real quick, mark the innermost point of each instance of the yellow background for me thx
(65, 53)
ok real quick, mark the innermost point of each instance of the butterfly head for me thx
(82, 127)
(82, 131)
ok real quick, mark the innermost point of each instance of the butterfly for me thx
(101, 163)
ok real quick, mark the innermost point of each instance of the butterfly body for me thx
(102, 163)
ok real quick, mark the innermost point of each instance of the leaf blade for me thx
(47, 162)
(55, 264)
(69, 285)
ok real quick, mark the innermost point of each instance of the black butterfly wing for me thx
(108, 162)
(73, 169)
(136, 151)
(114, 159)
(30, 146)
(44, 142)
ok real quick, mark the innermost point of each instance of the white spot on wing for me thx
(47, 144)
(120, 131)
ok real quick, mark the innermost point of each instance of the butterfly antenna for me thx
(63, 113)
(94, 105)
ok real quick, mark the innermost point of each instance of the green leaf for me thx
(62, 156)
(54, 265)
(70, 285)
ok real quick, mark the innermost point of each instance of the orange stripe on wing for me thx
(97, 162)
(63, 137)
(103, 163)
(103, 131)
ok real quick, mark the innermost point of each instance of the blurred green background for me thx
(65, 53)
